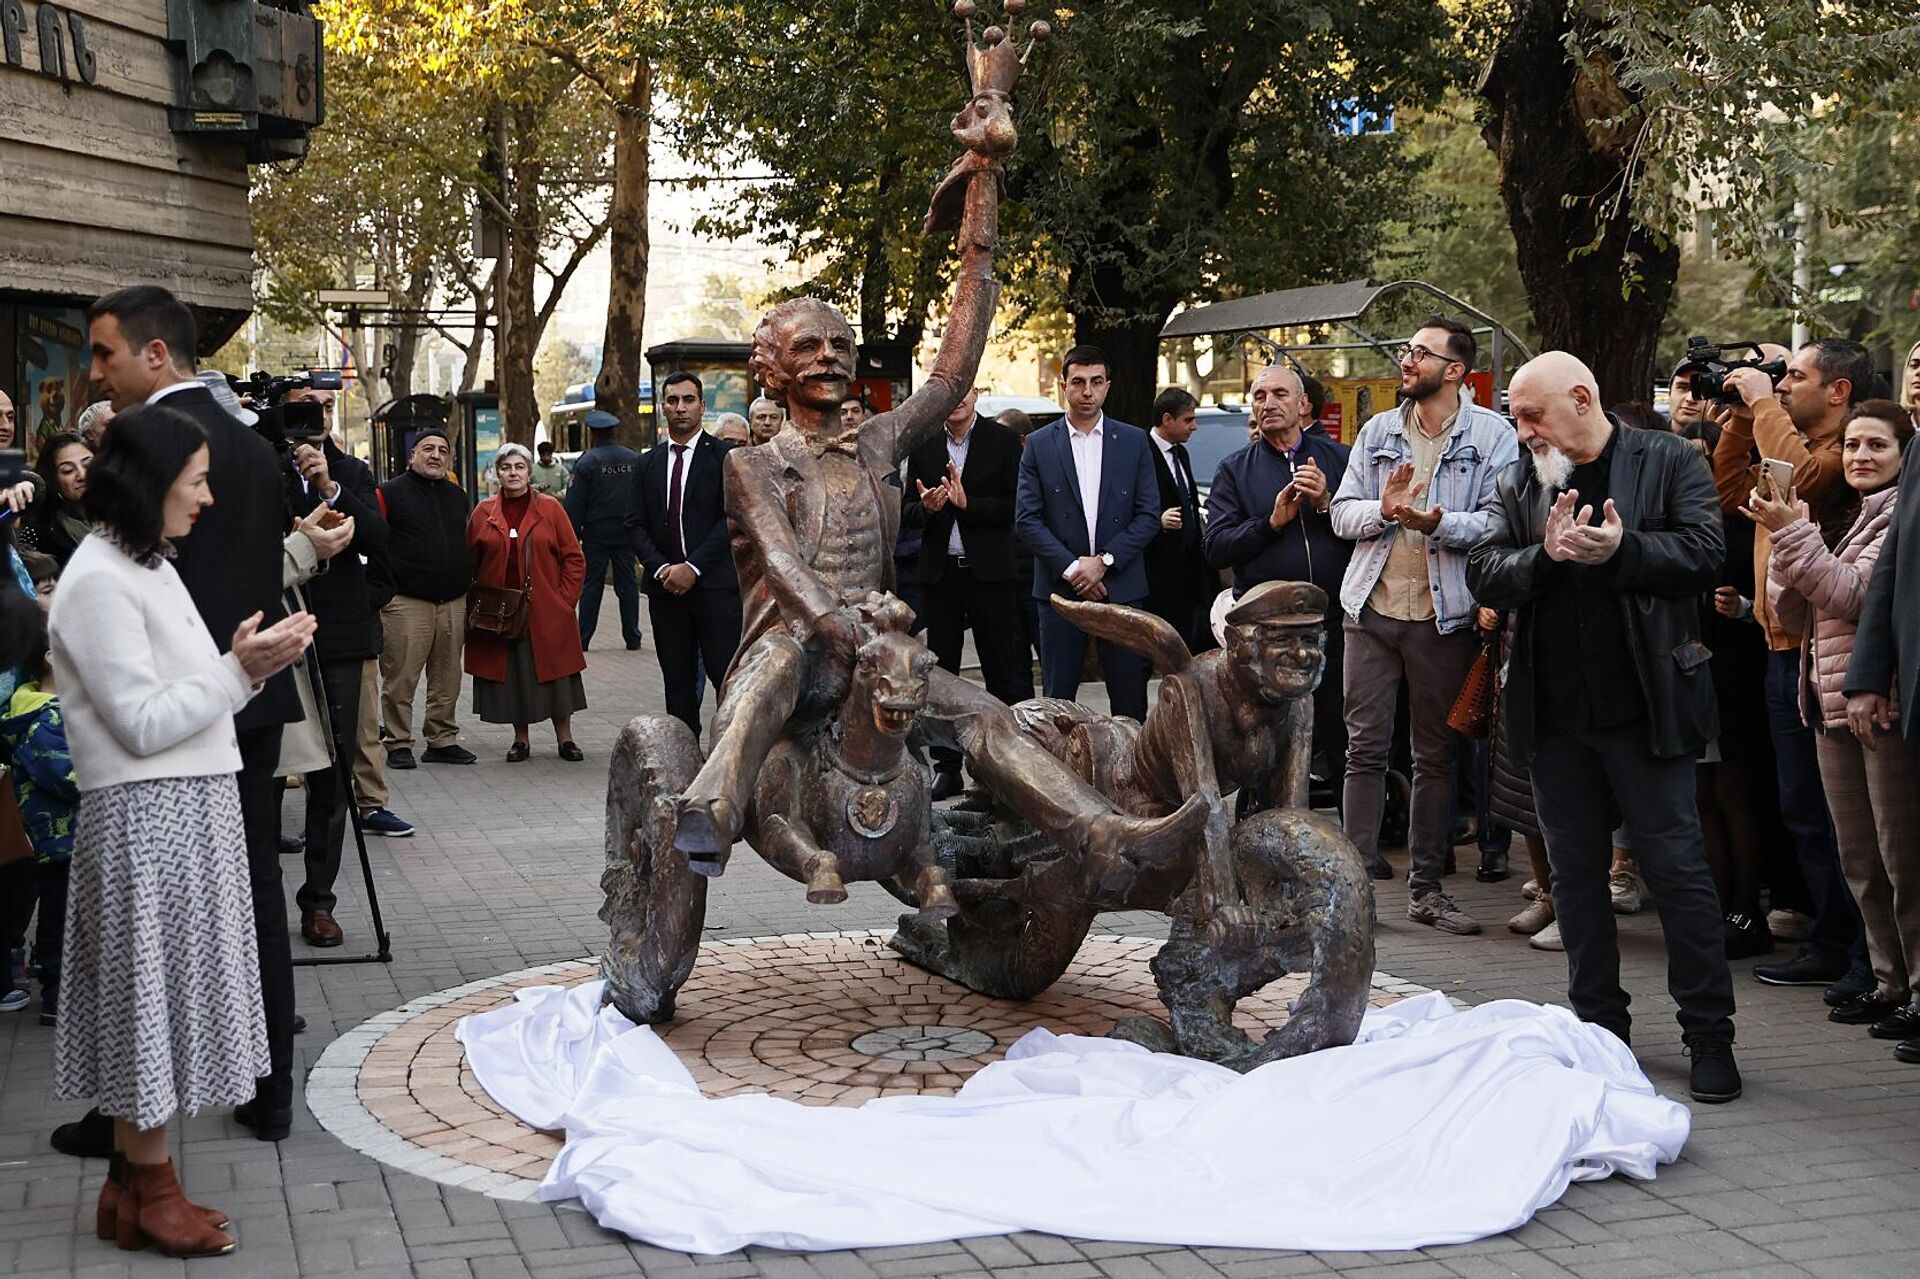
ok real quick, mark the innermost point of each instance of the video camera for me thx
(1706, 368)
(287, 424)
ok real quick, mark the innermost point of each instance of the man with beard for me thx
(1802, 423)
(1269, 520)
(1603, 540)
(1418, 494)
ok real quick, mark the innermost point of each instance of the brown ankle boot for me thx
(106, 1218)
(152, 1210)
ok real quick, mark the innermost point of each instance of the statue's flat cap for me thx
(1280, 604)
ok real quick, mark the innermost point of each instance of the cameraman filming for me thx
(1802, 423)
(344, 644)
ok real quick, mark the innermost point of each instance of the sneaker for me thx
(1537, 915)
(1790, 925)
(1436, 910)
(401, 757)
(1714, 1078)
(448, 755)
(1865, 1010)
(1530, 891)
(14, 1000)
(1624, 887)
(1747, 936)
(1547, 938)
(1858, 980)
(378, 821)
(1804, 969)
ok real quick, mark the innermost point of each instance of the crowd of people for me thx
(1692, 626)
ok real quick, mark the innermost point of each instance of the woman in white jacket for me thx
(160, 990)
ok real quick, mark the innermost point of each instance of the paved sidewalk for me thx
(1816, 1171)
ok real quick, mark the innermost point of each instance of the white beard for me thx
(1552, 468)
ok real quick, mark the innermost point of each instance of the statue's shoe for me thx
(705, 830)
(1117, 845)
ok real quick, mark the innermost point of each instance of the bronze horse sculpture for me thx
(847, 801)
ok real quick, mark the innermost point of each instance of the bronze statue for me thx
(814, 523)
(846, 800)
(1076, 813)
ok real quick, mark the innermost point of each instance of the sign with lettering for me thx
(61, 36)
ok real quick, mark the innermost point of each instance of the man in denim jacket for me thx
(1418, 494)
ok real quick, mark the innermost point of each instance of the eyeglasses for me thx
(1414, 353)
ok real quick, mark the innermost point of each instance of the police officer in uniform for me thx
(597, 503)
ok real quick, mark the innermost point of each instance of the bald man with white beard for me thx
(1606, 539)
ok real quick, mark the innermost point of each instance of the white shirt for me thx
(170, 388)
(683, 460)
(1087, 448)
(1166, 454)
(957, 454)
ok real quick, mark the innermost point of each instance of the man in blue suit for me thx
(1088, 506)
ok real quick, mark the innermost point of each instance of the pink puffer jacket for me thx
(1817, 593)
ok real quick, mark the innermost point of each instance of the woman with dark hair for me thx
(60, 522)
(523, 541)
(159, 984)
(1819, 592)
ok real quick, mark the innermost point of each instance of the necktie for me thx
(1189, 500)
(673, 506)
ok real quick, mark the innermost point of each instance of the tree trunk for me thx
(616, 389)
(1599, 283)
(1127, 328)
(519, 326)
(483, 311)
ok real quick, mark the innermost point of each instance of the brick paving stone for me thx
(1812, 1172)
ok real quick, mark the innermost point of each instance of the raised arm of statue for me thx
(967, 200)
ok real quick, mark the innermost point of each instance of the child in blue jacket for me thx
(33, 744)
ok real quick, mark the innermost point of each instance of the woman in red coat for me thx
(537, 676)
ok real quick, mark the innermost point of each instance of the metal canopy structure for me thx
(1343, 304)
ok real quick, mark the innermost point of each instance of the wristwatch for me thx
(1106, 557)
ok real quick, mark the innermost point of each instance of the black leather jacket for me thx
(1669, 555)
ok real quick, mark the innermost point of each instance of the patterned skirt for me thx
(160, 983)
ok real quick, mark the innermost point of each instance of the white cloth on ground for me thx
(1437, 1126)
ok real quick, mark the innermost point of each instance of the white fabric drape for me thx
(1437, 1126)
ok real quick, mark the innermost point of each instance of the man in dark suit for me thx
(1180, 583)
(677, 521)
(1087, 509)
(143, 342)
(965, 567)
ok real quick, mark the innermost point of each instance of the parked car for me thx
(1218, 431)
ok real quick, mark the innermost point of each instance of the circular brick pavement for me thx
(825, 1019)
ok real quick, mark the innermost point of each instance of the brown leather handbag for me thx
(500, 612)
(1474, 708)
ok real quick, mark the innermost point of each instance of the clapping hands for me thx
(1572, 537)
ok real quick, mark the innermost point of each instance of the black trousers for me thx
(1581, 780)
(1063, 653)
(327, 798)
(960, 600)
(626, 588)
(1329, 707)
(260, 794)
(692, 632)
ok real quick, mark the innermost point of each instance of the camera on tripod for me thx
(286, 423)
(1706, 367)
